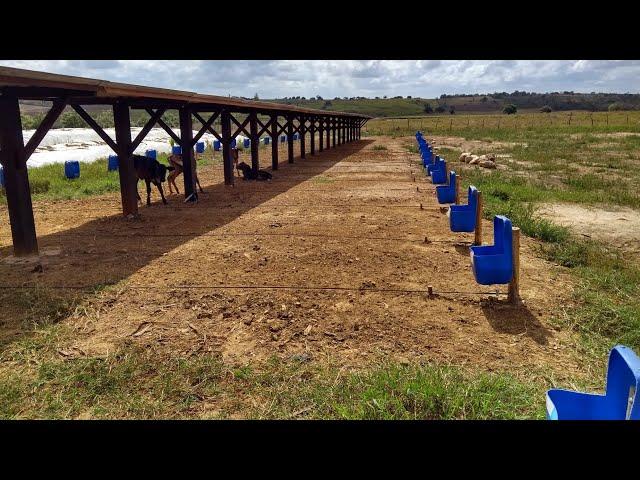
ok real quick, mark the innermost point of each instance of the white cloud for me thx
(419, 78)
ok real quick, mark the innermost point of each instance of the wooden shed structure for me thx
(333, 128)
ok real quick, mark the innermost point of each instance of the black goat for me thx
(151, 171)
(249, 174)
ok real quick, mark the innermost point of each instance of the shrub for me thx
(546, 109)
(510, 109)
(616, 106)
(428, 108)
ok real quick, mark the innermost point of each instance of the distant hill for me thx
(477, 103)
(407, 106)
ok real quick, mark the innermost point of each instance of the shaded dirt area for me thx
(329, 260)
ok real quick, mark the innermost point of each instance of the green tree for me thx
(510, 109)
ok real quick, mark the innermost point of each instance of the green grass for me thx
(49, 183)
(136, 383)
(379, 147)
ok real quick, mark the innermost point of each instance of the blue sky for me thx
(369, 78)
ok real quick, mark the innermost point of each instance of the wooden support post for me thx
(312, 135)
(514, 286)
(457, 199)
(186, 140)
(126, 170)
(320, 132)
(290, 138)
(328, 133)
(255, 141)
(334, 128)
(227, 161)
(477, 240)
(14, 162)
(303, 133)
(274, 142)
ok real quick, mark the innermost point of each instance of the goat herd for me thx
(152, 171)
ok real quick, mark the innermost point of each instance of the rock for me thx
(474, 160)
(302, 357)
(487, 164)
(464, 155)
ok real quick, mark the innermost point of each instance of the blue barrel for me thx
(233, 143)
(176, 150)
(216, 145)
(200, 147)
(283, 138)
(267, 140)
(113, 163)
(247, 142)
(1, 177)
(72, 169)
(151, 154)
(295, 136)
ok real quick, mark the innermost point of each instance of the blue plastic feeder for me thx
(447, 193)
(295, 136)
(246, 143)
(283, 138)
(176, 150)
(462, 218)
(1, 177)
(621, 400)
(72, 169)
(151, 154)
(493, 264)
(233, 143)
(216, 145)
(113, 163)
(439, 173)
(267, 140)
(200, 147)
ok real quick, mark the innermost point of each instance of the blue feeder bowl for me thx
(493, 264)
(72, 169)
(621, 400)
(246, 143)
(233, 143)
(151, 154)
(200, 147)
(439, 174)
(295, 136)
(283, 139)
(462, 218)
(113, 163)
(267, 140)
(447, 193)
(176, 150)
(216, 145)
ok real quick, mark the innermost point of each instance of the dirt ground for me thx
(328, 260)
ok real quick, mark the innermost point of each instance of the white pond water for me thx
(85, 145)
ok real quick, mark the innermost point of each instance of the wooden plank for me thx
(514, 286)
(227, 161)
(94, 125)
(16, 178)
(166, 128)
(186, 137)
(205, 125)
(46, 124)
(146, 129)
(209, 128)
(126, 170)
(290, 138)
(274, 142)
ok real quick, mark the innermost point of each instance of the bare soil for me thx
(329, 259)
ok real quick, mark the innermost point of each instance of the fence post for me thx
(477, 240)
(514, 285)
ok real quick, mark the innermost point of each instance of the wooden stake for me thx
(478, 232)
(457, 199)
(430, 290)
(514, 285)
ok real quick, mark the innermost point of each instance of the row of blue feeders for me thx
(72, 169)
